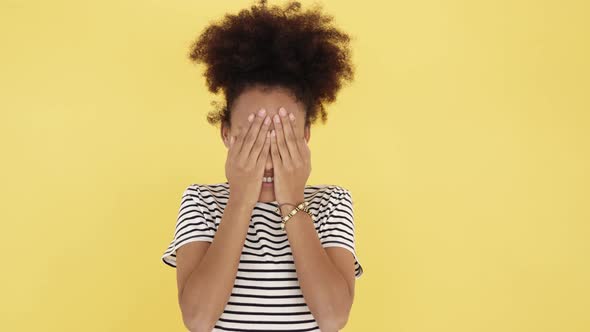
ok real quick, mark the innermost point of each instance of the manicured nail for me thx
(251, 117)
(291, 116)
(277, 119)
(282, 111)
(266, 120)
(261, 112)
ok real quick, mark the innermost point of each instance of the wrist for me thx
(290, 204)
(295, 199)
(240, 204)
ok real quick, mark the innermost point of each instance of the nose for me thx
(268, 166)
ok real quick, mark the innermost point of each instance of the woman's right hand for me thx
(246, 159)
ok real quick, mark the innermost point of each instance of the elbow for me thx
(194, 324)
(331, 325)
(333, 322)
(195, 319)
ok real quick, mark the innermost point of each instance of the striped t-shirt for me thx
(266, 295)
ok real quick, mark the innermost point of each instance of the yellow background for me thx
(464, 141)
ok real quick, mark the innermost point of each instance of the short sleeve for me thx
(337, 229)
(191, 224)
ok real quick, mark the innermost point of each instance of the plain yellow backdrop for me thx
(464, 140)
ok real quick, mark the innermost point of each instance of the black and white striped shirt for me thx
(266, 295)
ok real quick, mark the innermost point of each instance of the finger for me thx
(238, 139)
(265, 151)
(295, 126)
(306, 155)
(280, 138)
(274, 150)
(299, 140)
(260, 141)
(290, 136)
(250, 137)
(232, 145)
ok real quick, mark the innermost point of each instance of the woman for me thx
(240, 266)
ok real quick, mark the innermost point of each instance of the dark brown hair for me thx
(275, 46)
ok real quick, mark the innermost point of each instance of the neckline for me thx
(273, 203)
(270, 203)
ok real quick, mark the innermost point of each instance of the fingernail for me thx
(268, 134)
(277, 119)
(272, 133)
(251, 117)
(267, 120)
(291, 116)
(282, 111)
(262, 112)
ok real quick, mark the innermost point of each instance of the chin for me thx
(267, 194)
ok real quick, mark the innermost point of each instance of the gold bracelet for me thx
(303, 206)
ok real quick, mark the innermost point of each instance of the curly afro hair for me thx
(275, 46)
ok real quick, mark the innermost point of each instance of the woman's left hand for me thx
(291, 159)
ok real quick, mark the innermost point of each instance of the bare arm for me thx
(205, 286)
(208, 286)
(328, 291)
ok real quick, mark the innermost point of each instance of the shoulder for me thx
(208, 197)
(192, 190)
(326, 190)
(203, 191)
(329, 195)
(325, 194)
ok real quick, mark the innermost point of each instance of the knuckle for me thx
(251, 137)
(258, 144)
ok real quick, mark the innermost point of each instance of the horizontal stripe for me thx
(287, 304)
(267, 322)
(268, 314)
(265, 279)
(259, 296)
(241, 329)
(266, 295)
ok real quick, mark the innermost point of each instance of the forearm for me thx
(324, 288)
(209, 286)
